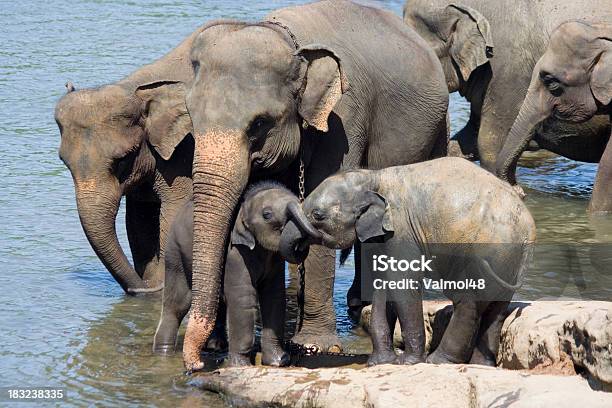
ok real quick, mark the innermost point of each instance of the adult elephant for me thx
(467, 33)
(125, 139)
(344, 84)
(572, 82)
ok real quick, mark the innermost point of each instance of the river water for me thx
(64, 322)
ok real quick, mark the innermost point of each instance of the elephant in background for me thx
(571, 83)
(330, 85)
(129, 138)
(254, 275)
(488, 50)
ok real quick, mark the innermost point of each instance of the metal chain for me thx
(301, 188)
(284, 27)
(301, 269)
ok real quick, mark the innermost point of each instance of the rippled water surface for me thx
(64, 322)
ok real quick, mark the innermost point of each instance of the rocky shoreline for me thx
(554, 353)
(558, 337)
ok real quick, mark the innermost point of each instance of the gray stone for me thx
(421, 385)
(546, 336)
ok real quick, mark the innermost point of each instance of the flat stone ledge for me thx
(421, 385)
(547, 336)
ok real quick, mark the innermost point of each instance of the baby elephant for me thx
(251, 275)
(464, 219)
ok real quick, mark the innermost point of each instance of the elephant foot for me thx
(239, 360)
(275, 358)
(438, 357)
(479, 358)
(409, 359)
(328, 342)
(381, 357)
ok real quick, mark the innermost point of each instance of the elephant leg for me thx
(485, 352)
(353, 296)
(241, 300)
(490, 140)
(459, 337)
(176, 301)
(272, 306)
(382, 325)
(601, 200)
(142, 225)
(465, 142)
(442, 143)
(218, 338)
(319, 324)
(410, 314)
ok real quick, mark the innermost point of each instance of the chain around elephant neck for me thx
(287, 30)
(301, 268)
(301, 189)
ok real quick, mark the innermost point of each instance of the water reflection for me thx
(116, 363)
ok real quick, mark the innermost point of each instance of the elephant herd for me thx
(305, 93)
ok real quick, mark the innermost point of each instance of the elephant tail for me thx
(137, 291)
(525, 259)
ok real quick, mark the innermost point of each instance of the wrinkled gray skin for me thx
(495, 83)
(124, 139)
(449, 201)
(254, 273)
(571, 83)
(360, 89)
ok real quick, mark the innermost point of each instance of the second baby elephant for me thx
(254, 273)
(463, 218)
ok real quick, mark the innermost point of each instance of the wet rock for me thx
(547, 336)
(421, 385)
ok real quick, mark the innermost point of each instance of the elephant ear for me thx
(375, 218)
(167, 121)
(601, 77)
(241, 234)
(471, 40)
(322, 86)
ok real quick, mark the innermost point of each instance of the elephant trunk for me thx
(522, 132)
(98, 205)
(297, 236)
(292, 239)
(296, 213)
(220, 173)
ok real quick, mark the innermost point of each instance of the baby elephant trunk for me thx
(298, 234)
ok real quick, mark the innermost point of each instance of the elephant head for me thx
(267, 208)
(460, 36)
(253, 91)
(342, 209)
(571, 82)
(111, 138)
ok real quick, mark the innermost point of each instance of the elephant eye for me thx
(122, 167)
(318, 214)
(267, 214)
(552, 83)
(260, 126)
